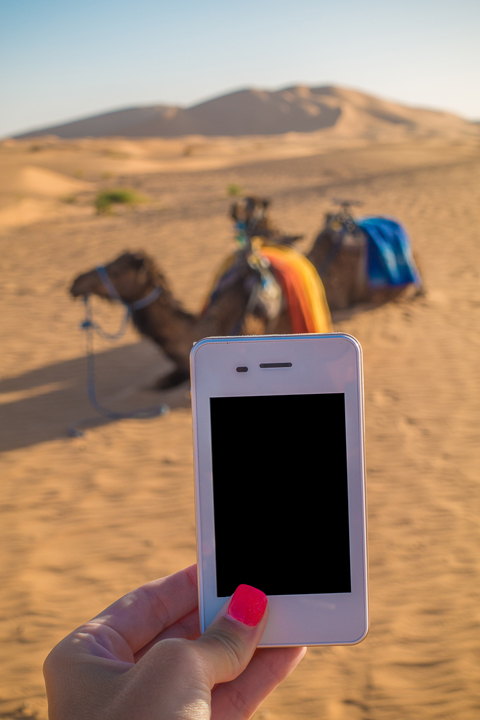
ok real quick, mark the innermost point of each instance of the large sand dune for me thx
(86, 519)
(330, 110)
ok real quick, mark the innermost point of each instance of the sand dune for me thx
(29, 194)
(33, 180)
(86, 519)
(35, 175)
(333, 110)
(26, 211)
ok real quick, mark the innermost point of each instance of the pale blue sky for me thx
(60, 60)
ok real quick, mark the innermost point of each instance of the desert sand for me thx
(85, 519)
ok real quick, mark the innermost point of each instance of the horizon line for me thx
(98, 113)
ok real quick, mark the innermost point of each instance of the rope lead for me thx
(91, 327)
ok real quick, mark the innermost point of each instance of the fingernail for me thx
(247, 605)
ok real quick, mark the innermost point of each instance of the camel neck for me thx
(147, 300)
(166, 323)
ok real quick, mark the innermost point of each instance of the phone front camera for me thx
(242, 369)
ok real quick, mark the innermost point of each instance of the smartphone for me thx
(280, 482)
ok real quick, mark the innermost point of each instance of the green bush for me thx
(233, 189)
(116, 196)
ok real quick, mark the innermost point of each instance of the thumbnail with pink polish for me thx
(247, 605)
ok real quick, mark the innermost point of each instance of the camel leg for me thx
(176, 377)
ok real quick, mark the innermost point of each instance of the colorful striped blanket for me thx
(302, 288)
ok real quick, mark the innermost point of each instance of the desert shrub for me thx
(233, 189)
(116, 196)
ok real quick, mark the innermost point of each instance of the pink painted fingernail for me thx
(247, 605)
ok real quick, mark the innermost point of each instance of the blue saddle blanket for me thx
(389, 255)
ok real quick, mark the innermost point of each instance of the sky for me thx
(62, 60)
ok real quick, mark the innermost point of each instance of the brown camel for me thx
(339, 255)
(240, 305)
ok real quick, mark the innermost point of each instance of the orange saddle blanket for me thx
(301, 286)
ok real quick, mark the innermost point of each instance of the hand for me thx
(143, 658)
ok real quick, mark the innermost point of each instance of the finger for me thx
(227, 645)
(239, 698)
(187, 628)
(142, 614)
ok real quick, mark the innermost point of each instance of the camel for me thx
(239, 306)
(247, 299)
(339, 256)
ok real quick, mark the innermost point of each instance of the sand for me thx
(86, 519)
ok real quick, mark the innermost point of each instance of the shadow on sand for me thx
(43, 404)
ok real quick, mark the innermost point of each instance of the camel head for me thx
(251, 213)
(133, 275)
(341, 228)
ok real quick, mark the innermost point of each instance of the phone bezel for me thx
(320, 363)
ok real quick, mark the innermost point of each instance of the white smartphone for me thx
(280, 482)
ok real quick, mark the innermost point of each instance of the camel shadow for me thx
(42, 404)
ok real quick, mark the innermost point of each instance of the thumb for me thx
(226, 646)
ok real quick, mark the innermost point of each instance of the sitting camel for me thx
(245, 301)
(339, 255)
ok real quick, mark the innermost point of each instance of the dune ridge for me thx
(329, 109)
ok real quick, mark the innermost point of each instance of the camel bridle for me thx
(91, 327)
(114, 295)
(90, 324)
(246, 228)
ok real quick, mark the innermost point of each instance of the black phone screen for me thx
(280, 493)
